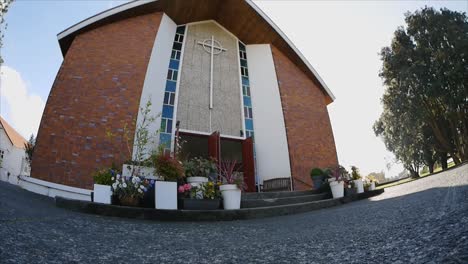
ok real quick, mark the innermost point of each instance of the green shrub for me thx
(355, 173)
(104, 176)
(316, 172)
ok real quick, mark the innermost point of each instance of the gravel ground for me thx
(425, 221)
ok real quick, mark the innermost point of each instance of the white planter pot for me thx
(195, 182)
(337, 189)
(102, 194)
(165, 195)
(231, 196)
(141, 171)
(372, 186)
(359, 185)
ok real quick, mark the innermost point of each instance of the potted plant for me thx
(102, 185)
(350, 188)
(318, 176)
(170, 169)
(336, 181)
(232, 182)
(197, 171)
(129, 190)
(372, 182)
(190, 199)
(357, 179)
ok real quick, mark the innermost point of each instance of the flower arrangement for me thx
(129, 188)
(337, 173)
(207, 190)
(371, 179)
(228, 173)
(200, 167)
(170, 168)
(104, 176)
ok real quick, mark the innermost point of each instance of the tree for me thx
(4, 5)
(29, 148)
(425, 103)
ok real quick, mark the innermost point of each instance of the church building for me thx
(220, 74)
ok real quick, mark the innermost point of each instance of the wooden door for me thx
(214, 146)
(248, 164)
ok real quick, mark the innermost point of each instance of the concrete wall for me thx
(97, 89)
(309, 132)
(155, 79)
(271, 146)
(193, 102)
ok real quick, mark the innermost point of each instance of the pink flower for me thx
(187, 186)
(181, 189)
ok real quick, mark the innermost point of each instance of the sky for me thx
(341, 40)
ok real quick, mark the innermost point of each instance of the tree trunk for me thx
(443, 160)
(431, 168)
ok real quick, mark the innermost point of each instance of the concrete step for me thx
(273, 195)
(200, 215)
(265, 202)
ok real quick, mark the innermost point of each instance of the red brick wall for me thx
(97, 89)
(310, 136)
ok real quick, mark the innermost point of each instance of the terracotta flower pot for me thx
(129, 201)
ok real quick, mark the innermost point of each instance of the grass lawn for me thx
(450, 164)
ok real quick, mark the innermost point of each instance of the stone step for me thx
(272, 195)
(265, 202)
(200, 215)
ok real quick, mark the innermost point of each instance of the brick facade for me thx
(309, 132)
(97, 89)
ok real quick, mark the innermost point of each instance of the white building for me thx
(13, 160)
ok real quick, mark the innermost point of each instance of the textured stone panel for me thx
(193, 105)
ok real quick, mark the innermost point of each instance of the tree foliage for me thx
(425, 104)
(29, 148)
(4, 5)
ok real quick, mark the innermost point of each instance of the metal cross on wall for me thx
(213, 47)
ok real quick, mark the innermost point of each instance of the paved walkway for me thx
(425, 221)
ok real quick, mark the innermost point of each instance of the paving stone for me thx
(424, 221)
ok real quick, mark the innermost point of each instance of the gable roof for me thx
(241, 17)
(16, 139)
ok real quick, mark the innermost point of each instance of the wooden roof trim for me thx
(138, 3)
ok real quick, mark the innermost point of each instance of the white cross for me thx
(213, 47)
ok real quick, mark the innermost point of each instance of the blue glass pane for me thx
(168, 111)
(181, 29)
(245, 81)
(241, 46)
(170, 86)
(248, 124)
(169, 126)
(177, 46)
(174, 64)
(247, 101)
(243, 63)
(165, 140)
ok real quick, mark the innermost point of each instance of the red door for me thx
(248, 164)
(214, 146)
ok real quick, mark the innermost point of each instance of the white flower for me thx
(114, 185)
(118, 176)
(142, 187)
(112, 178)
(140, 191)
(120, 185)
(134, 179)
(124, 185)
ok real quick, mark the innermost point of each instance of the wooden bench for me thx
(276, 185)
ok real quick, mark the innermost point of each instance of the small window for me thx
(248, 112)
(2, 152)
(172, 75)
(243, 55)
(175, 55)
(179, 38)
(169, 98)
(166, 125)
(244, 72)
(246, 90)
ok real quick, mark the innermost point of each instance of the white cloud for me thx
(24, 109)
